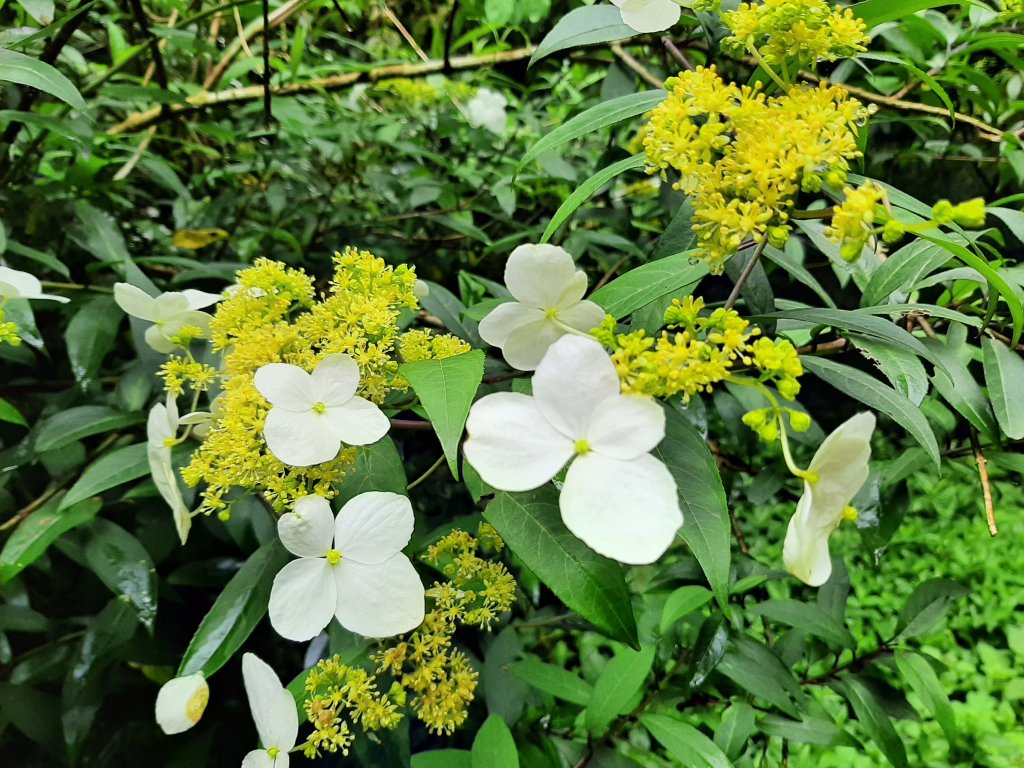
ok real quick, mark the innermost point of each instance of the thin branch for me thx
(748, 269)
(740, 539)
(636, 66)
(411, 424)
(449, 33)
(677, 54)
(267, 115)
(279, 16)
(150, 38)
(428, 473)
(986, 487)
(404, 32)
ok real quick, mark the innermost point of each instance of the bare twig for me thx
(748, 269)
(986, 486)
(636, 66)
(677, 54)
(279, 16)
(739, 533)
(411, 424)
(404, 33)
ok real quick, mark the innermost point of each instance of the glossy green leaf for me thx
(616, 687)
(685, 743)
(241, 605)
(588, 583)
(678, 236)
(446, 389)
(494, 746)
(66, 427)
(875, 722)
(583, 26)
(109, 471)
(921, 677)
(642, 285)
(809, 730)
(902, 269)
(702, 499)
(1004, 376)
(378, 467)
(755, 668)
(878, 396)
(10, 414)
(903, 369)
(587, 189)
(38, 531)
(927, 604)
(90, 336)
(682, 602)
(737, 726)
(553, 679)
(805, 617)
(24, 70)
(443, 758)
(121, 562)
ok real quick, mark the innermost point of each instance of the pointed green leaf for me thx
(685, 743)
(642, 285)
(682, 602)
(65, 427)
(553, 679)
(875, 722)
(39, 530)
(583, 26)
(805, 617)
(18, 68)
(109, 471)
(589, 188)
(617, 686)
(121, 562)
(1004, 375)
(928, 603)
(922, 679)
(755, 667)
(494, 746)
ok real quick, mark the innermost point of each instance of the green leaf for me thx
(682, 602)
(922, 679)
(443, 758)
(903, 369)
(241, 605)
(875, 12)
(928, 603)
(960, 389)
(902, 269)
(685, 743)
(917, 72)
(678, 236)
(553, 679)
(620, 680)
(805, 617)
(809, 730)
(642, 285)
(378, 467)
(587, 189)
(38, 531)
(446, 389)
(482, 309)
(877, 395)
(737, 726)
(90, 336)
(593, 119)
(10, 414)
(494, 746)
(875, 722)
(755, 668)
(66, 427)
(702, 499)
(588, 583)
(121, 562)
(583, 26)
(1004, 375)
(109, 471)
(18, 68)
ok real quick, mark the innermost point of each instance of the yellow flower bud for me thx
(970, 213)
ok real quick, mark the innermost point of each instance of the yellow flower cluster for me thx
(744, 157)
(427, 345)
(697, 352)
(476, 591)
(794, 31)
(8, 330)
(853, 218)
(412, 92)
(271, 315)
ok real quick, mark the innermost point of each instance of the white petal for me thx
(258, 758)
(159, 426)
(526, 346)
(379, 600)
(357, 422)
(626, 426)
(299, 439)
(135, 301)
(20, 285)
(574, 378)
(649, 15)
(544, 276)
(285, 386)
(505, 318)
(281, 761)
(583, 316)
(302, 599)
(841, 463)
(805, 551)
(625, 510)
(170, 304)
(335, 380)
(166, 481)
(273, 708)
(373, 526)
(180, 703)
(173, 324)
(308, 530)
(511, 444)
(157, 340)
(200, 299)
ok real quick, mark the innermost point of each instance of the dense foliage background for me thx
(171, 143)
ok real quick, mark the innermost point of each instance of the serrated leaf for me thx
(617, 686)
(446, 389)
(38, 531)
(583, 26)
(873, 393)
(553, 679)
(241, 605)
(1004, 376)
(588, 583)
(24, 70)
(121, 562)
(68, 426)
(494, 746)
(685, 743)
(648, 282)
(805, 617)
(588, 188)
(928, 603)
(682, 602)
(921, 678)
(702, 499)
(875, 722)
(109, 471)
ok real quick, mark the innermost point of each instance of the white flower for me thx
(618, 498)
(350, 568)
(169, 312)
(273, 711)
(649, 15)
(313, 414)
(180, 703)
(487, 109)
(549, 291)
(15, 284)
(161, 434)
(841, 466)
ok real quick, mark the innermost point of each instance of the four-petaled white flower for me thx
(181, 702)
(350, 568)
(487, 109)
(169, 312)
(617, 497)
(649, 15)
(15, 284)
(161, 436)
(839, 468)
(273, 711)
(548, 290)
(313, 414)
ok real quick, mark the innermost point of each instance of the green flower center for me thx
(319, 407)
(582, 447)
(273, 752)
(551, 314)
(333, 557)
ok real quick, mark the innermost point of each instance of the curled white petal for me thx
(544, 276)
(308, 530)
(273, 708)
(181, 702)
(506, 318)
(15, 284)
